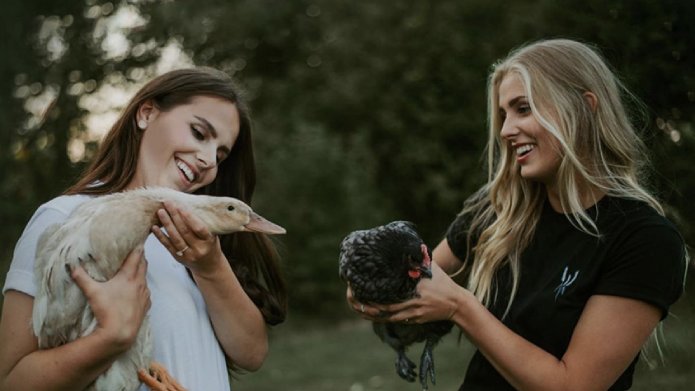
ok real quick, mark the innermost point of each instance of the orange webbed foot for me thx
(158, 379)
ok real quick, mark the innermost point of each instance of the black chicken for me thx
(383, 265)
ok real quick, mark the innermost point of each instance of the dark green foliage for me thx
(365, 111)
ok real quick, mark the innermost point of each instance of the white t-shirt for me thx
(183, 337)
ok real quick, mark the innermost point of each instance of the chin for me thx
(532, 177)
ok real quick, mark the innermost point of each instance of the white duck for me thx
(98, 235)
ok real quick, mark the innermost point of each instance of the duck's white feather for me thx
(98, 235)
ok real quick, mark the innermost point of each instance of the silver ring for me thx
(180, 252)
(362, 307)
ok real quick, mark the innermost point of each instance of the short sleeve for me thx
(648, 264)
(457, 236)
(20, 277)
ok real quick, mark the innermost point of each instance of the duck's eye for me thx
(230, 208)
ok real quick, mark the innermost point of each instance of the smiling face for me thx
(182, 147)
(535, 149)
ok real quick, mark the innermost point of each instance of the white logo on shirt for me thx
(565, 282)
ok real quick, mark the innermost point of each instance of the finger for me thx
(352, 301)
(142, 268)
(365, 310)
(83, 280)
(166, 221)
(369, 312)
(197, 228)
(175, 228)
(175, 213)
(132, 261)
(348, 295)
(162, 237)
(405, 317)
(397, 307)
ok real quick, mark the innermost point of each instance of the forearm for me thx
(238, 323)
(445, 258)
(521, 363)
(69, 367)
(604, 342)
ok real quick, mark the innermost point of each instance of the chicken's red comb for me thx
(425, 256)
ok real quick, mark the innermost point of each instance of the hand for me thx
(121, 303)
(188, 240)
(437, 299)
(366, 311)
(373, 312)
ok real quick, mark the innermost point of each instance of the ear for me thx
(146, 113)
(591, 99)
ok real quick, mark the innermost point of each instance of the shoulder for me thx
(55, 211)
(64, 204)
(52, 212)
(633, 217)
(632, 224)
(646, 254)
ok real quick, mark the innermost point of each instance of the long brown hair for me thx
(253, 257)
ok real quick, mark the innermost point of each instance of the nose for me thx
(509, 129)
(207, 158)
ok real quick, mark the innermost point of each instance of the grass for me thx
(348, 356)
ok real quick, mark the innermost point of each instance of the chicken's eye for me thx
(230, 208)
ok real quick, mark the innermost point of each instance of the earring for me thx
(142, 124)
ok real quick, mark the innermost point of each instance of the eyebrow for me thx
(212, 131)
(208, 125)
(514, 101)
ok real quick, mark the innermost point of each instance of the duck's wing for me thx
(60, 312)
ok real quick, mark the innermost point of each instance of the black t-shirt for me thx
(639, 255)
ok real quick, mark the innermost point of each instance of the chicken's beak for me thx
(259, 224)
(426, 272)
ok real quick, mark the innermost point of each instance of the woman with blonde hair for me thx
(566, 260)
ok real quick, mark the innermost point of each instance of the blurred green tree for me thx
(364, 111)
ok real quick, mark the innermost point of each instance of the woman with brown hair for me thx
(208, 298)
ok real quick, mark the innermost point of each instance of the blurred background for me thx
(364, 112)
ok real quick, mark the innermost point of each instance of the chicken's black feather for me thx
(376, 264)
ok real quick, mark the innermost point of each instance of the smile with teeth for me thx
(186, 170)
(524, 149)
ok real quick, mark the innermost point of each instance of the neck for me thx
(588, 198)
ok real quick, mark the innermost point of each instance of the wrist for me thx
(212, 269)
(114, 342)
(463, 303)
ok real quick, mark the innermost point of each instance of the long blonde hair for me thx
(599, 149)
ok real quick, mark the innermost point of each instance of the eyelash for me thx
(197, 133)
(521, 109)
(201, 136)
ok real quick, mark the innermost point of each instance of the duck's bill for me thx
(259, 224)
